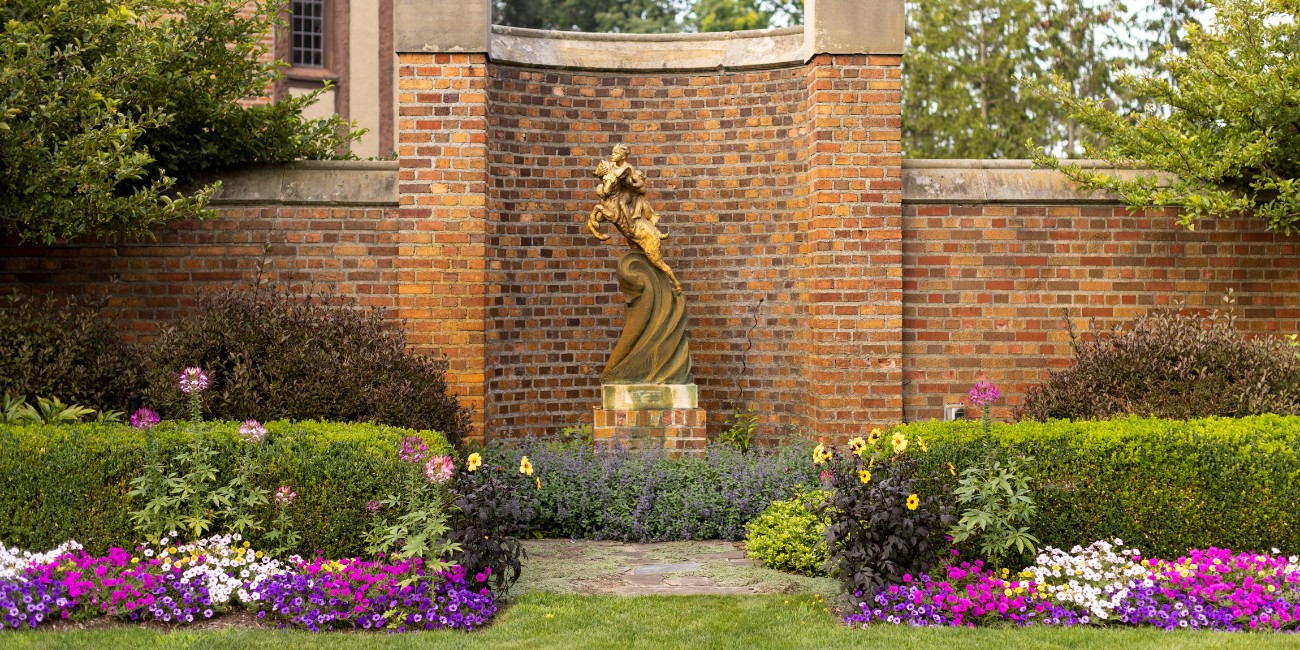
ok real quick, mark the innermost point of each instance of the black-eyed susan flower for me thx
(952, 470)
(821, 454)
(913, 501)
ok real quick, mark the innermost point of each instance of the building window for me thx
(307, 34)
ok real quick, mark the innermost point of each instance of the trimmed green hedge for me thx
(1163, 486)
(70, 482)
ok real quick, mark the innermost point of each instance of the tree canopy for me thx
(106, 106)
(1222, 116)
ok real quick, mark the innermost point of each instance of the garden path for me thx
(669, 568)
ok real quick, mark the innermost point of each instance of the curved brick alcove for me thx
(763, 151)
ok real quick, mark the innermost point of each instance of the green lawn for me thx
(746, 622)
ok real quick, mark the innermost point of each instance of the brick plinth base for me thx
(677, 431)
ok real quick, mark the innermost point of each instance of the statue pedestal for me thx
(650, 416)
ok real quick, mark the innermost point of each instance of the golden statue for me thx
(653, 348)
(623, 203)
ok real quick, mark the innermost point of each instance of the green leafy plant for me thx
(109, 106)
(741, 430)
(281, 355)
(283, 534)
(1172, 364)
(1218, 119)
(998, 508)
(415, 519)
(576, 435)
(886, 512)
(47, 411)
(789, 536)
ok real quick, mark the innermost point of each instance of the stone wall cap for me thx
(311, 182)
(766, 48)
(966, 182)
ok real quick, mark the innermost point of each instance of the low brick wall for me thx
(996, 253)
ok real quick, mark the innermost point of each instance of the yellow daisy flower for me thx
(858, 445)
(473, 461)
(952, 470)
(900, 442)
(864, 475)
(875, 436)
(913, 501)
(525, 467)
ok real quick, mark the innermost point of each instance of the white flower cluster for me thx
(1097, 577)
(14, 561)
(225, 565)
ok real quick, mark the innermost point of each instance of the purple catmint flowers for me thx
(192, 380)
(984, 393)
(144, 418)
(439, 469)
(252, 431)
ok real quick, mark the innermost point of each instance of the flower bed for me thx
(179, 584)
(1102, 584)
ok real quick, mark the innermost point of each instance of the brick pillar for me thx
(442, 150)
(854, 239)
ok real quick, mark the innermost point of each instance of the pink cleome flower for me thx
(439, 469)
(285, 496)
(193, 380)
(984, 393)
(252, 431)
(144, 418)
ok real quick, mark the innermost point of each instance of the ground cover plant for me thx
(181, 583)
(788, 535)
(584, 492)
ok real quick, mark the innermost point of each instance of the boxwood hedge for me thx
(1163, 486)
(71, 482)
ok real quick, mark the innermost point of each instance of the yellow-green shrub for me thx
(71, 481)
(788, 537)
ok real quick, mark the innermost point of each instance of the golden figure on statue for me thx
(653, 348)
(623, 203)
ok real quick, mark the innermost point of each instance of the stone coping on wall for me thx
(315, 182)
(374, 182)
(999, 181)
(648, 52)
(831, 27)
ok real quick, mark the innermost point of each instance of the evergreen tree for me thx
(629, 16)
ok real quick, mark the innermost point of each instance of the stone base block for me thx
(677, 431)
(639, 397)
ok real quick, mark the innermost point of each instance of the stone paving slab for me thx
(671, 568)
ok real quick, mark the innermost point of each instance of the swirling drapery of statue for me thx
(653, 348)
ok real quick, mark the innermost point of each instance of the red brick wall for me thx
(726, 166)
(350, 251)
(984, 287)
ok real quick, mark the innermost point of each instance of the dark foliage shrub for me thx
(1162, 486)
(273, 355)
(71, 481)
(1172, 365)
(886, 524)
(491, 507)
(650, 497)
(70, 352)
